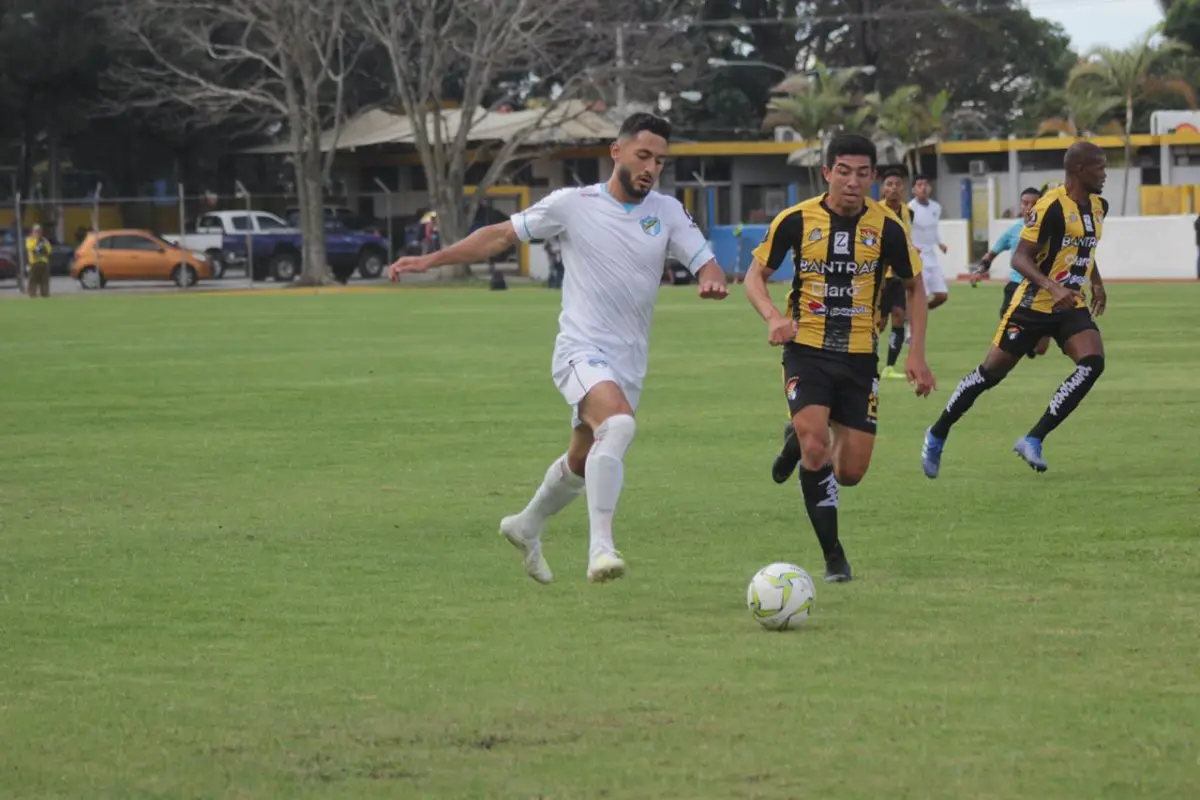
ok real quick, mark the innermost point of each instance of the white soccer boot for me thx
(527, 538)
(605, 566)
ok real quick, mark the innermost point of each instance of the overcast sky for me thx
(1099, 22)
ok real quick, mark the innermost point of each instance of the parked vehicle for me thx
(212, 228)
(133, 255)
(60, 254)
(8, 268)
(278, 254)
(342, 217)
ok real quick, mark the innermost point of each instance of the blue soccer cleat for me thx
(931, 454)
(1030, 451)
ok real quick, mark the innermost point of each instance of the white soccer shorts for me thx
(577, 372)
(935, 280)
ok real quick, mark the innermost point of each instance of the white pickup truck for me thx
(212, 227)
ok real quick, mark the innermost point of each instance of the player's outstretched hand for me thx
(920, 376)
(713, 290)
(976, 276)
(1099, 299)
(408, 264)
(783, 330)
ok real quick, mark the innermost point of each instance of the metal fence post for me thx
(96, 235)
(183, 259)
(387, 205)
(19, 249)
(241, 192)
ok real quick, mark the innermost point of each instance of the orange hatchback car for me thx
(129, 255)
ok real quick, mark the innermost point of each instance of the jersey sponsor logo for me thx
(868, 236)
(650, 226)
(691, 220)
(1067, 279)
(1087, 223)
(1032, 219)
(819, 309)
(825, 290)
(821, 266)
(1080, 241)
(597, 362)
(841, 243)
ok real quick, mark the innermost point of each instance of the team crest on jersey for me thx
(792, 385)
(597, 362)
(1013, 331)
(650, 226)
(869, 236)
(1074, 218)
(815, 236)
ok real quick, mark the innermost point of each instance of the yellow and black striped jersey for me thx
(905, 217)
(839, 270)
(1066, 236)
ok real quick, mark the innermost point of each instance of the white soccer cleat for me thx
(604, 567)
(529, 542)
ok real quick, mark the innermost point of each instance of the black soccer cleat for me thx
(837, 569)
(788, 458)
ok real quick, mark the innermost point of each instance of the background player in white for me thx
(926, 214)
(615, 237)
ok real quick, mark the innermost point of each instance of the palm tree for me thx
(1084, 112)
(913, 120)
(816, 104)
(1129, 74)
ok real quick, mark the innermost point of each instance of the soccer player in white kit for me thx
(926, 214)
(615, 238)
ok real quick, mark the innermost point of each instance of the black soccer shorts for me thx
(846, 384)
(894, 296)
(1021, 330)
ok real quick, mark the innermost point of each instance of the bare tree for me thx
(264, 61)
(481, 56)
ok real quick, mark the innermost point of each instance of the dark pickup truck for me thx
(277, 253)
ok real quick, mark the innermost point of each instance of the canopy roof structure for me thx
(568, 122)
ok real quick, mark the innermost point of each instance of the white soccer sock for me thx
(558, 489)
(605, 475)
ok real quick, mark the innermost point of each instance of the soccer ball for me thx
(780, 596)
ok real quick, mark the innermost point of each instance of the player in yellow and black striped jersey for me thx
(893, 192)
(1057, 258)
(841, 244)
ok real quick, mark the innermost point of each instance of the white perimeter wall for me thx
(1131, 248)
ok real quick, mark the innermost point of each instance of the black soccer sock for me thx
(976, 382)
(820, 491)
(1069, 395)
(895, 343)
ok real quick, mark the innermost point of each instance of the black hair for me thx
(849, 144)
(642, 121)
(894, 172)
(1032, 191)
(921, 176)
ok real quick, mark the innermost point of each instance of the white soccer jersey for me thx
(613, 254)
(925, 236)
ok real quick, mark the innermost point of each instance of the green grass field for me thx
(249, 550)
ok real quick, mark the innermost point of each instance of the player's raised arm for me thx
(688, 246)
(479, 246)
(540, 221)
(786, 229)
(781, 329)
(899, 254)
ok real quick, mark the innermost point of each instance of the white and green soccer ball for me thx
(780, 596)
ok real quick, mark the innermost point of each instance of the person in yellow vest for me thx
(37, 249)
